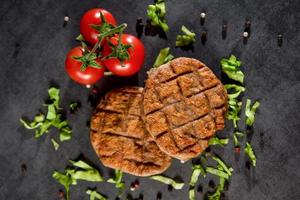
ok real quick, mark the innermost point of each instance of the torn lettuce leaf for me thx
(156, 14)
(163, 57)
(168, 181)
(218, 141)
(187, 38)
(83, 171)
(250, 112)
(250, 153)
(231, 67)
(42, 123)
(94, 195)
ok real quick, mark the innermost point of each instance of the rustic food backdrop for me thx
(34, 43)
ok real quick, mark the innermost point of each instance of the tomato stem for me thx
(118, 29)
(108, 73)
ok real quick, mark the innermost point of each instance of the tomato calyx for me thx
(89, 57)
(119, 51)
(104, 27)
(87, 60)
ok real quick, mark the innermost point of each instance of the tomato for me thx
(87, 77)
(93, 17)
(130, 66)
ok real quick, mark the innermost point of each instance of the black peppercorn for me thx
(200, 189)
(24, 168)
(248, 164)
(139, 27)
(203, 37)
(211, 184)
(159, 196)
(280, 39)
(224, 31)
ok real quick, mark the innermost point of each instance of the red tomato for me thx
(87, 77)
(93, 17)
(130, 66)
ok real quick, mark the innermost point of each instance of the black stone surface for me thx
(33, 45)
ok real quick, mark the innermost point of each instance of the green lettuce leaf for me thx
(168, 181)
(71, 175)
(156, 14)
(187, 38)
(117, 180)
(250, 112)
(228, 170)
(217, 172)
(163, 57)
(55, 144)
(218, 141)
(95, 195)
(250, 153)
(42, 124)
(65, 180)
(231, 67)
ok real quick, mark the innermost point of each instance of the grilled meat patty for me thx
(119, 137)
(184, 104)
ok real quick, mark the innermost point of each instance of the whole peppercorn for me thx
(280, 39)
(159, 196)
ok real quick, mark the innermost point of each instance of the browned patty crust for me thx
(119, 137)
(184, 104)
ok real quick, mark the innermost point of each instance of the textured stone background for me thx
(33, 45)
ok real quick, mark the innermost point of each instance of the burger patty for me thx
(119, 137)
(184, 104)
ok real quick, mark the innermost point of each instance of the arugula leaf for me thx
(117, 180)
(55, 144)
(250, 112)
(231, 67)
(250, 153)
(163, 57)
(186, 39)
(168, 181)
(156, 14)
(218, 141)
(95, 195)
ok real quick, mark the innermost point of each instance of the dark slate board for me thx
(34, 43)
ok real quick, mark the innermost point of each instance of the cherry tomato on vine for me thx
(87, 75)
(136, 56)
(91, 18)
